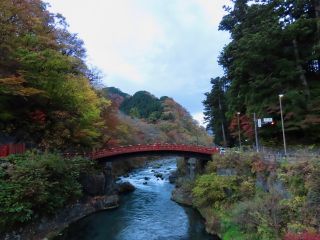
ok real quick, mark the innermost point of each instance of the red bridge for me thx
(153, 149)
(109, 154)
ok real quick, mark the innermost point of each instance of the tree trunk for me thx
(300, 68)
(317, 13)
(222, 125)
(223, 135)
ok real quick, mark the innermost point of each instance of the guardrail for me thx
(7, 149)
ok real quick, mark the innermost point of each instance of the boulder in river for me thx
(173, 177)
(158, 175)
(182, 196)
(158, 165)
(125, 187)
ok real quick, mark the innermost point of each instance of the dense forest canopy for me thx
(142, 104)
(274, 49)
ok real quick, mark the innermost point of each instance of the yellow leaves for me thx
(14, 86)
(12, 81)
(28, 91)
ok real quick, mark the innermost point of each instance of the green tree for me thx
(144, 102)
(215, 110)
(274, 50)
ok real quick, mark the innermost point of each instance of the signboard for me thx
(259, 123)
(267, 120)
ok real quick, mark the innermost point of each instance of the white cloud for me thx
(168, 47)
(199, 117)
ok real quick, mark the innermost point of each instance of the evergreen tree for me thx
(215, 110)
(274, 49)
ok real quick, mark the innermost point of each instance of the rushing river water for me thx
(145, 214)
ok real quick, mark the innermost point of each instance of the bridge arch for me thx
(191, 153)
(121, 152)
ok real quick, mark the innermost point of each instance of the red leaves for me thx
(259, 166)
(302, 236)
(38, 116)
(246, 126)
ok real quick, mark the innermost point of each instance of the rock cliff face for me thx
(182, 196)
(93, 185)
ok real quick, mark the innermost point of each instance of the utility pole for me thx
(256, 131)
(222, 125)
(238, 115)
(283, 134)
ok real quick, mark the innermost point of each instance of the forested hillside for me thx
(143, 118)
(274, 49)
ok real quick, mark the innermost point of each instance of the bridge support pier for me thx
(193, 166)
(109, 179)
(190, 164)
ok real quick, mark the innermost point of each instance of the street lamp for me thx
(238, 115)
(283, 134)
(256, 131)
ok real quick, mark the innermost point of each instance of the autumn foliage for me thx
(46, 89)
(246, 126)
(302, 236)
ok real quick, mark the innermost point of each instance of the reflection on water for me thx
(146, 214)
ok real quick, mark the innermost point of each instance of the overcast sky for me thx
(166, 47)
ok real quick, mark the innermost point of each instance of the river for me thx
(145, 214)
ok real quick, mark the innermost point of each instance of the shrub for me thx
(211, 189)
(32, 185)
(264, 215)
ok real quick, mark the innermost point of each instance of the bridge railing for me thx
(152, 147)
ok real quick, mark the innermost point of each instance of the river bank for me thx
(244, 196)
(182, 194)
(88, 183)
(46, 228)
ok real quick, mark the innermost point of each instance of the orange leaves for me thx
(15, 86)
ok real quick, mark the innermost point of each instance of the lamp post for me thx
(283, 134)
(238, 116)
(256, 131)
